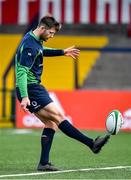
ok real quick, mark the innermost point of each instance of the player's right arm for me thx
(24, 62)
(24, 103)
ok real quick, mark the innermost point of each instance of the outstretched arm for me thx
(48, 52)
(72, 52)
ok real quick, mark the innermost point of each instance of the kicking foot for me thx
(98, 143)
(47, 167)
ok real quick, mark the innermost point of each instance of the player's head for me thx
(48, 26)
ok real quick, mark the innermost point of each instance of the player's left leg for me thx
(46, 143)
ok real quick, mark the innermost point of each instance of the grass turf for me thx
(19, 153)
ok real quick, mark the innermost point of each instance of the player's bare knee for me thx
(51, 125)
(58, 117)
(61, 117)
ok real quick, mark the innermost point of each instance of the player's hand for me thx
(24, 103)
(72, 52)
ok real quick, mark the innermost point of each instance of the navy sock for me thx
(74, 133)
(46, 142)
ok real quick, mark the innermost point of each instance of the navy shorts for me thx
(38, 96)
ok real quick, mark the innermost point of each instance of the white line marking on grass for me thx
(22, 131)
(66, 171)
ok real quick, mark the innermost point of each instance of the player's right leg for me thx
(53, 113)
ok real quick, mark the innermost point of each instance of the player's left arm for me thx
(71, 51)
(52, 52)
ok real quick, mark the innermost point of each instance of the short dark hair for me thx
(49, 22)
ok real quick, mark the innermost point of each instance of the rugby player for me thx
(34, 97)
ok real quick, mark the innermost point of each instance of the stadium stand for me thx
(56, 76)
(8, 46)
(112, 70)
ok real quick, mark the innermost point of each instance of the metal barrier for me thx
(5, 90)
(9, 109)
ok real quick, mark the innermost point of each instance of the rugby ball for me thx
(114, 122)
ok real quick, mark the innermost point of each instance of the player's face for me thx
(47, 34)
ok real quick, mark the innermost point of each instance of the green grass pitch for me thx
(20, 149)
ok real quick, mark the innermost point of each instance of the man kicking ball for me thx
(34, 97)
